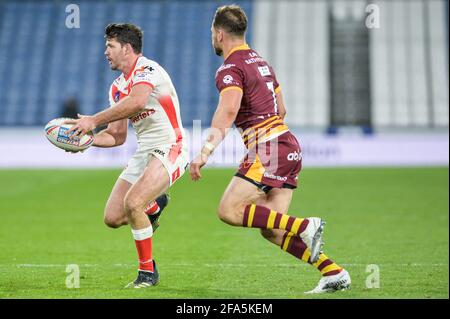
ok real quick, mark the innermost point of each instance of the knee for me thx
(113, 222)
(223, 212)
(230, 214)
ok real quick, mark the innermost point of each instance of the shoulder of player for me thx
(144, 61)
(239, 59)
(230, 64)
(145, 65)
(117, 81)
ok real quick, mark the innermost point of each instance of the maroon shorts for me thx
(273, 164)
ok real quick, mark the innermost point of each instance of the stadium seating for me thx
(293, 36)
(408, 65)
(43, 63)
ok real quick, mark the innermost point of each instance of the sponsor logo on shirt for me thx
(117, 96)
(141, 76)
(157, 151)
(264, 70)
(254, 60)
(227, 79)
(278, 178)
(225, 66)
(142, 115)
(294, 156)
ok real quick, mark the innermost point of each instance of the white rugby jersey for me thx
(160, 122)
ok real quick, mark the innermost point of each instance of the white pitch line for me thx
(52, 265)
(225, 265)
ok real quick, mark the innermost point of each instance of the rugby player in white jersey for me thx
(143, 93)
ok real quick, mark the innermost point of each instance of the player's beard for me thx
(216, 47)
(218, 51)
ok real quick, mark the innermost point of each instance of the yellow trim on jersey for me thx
(277, 131)
(259, 124)
(251, 213)
(232, 88)
(238, 48)
(278, 89)
(261, 129)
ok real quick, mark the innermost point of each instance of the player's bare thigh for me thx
(278, 199)
(237, 195)
(153, 182)
(114, 215)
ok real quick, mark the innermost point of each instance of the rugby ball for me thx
(55, 131)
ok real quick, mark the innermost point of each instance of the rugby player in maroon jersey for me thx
(260, 193)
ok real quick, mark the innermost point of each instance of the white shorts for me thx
(174, 157)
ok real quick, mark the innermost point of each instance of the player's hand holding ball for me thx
(58, 132)
(85, 124)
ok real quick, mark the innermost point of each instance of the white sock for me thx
(141, 234)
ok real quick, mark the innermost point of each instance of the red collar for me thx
(132, 69)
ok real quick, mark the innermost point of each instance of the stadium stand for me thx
(53, 63)
(43, 63)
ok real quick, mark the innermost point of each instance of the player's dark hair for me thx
(232, 19)
(125, 33)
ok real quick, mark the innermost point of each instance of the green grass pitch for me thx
(395, 218)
